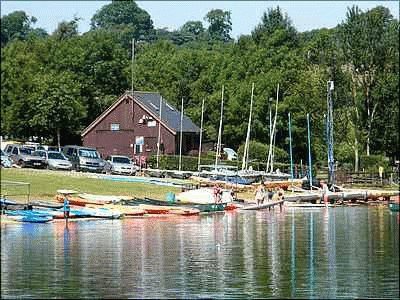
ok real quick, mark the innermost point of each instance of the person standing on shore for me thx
(260, 193)
(325, 191)
(66, 208)
(270, 194)
(217, 193)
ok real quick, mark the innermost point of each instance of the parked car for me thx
(119, 164)
(51, 148)
(55, 160)
(5, 160)
(230, 154)
(84, 158)
(23, 157)
(33, 146)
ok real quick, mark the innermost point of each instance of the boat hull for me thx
(395, 207)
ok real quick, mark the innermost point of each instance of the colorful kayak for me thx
(32, 219)
(125, 210)
(185, 212)
(29, 216)
(100, 213)
(176, 210)
(21, 212)
(154, 209)
(46, 204)
(212, 207)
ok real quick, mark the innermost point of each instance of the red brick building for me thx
(130, 127)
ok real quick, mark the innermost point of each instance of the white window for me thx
(139, 141)
(138, 148)
(151, 123)
(114, 127)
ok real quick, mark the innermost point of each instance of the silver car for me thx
(118, 164)
(23, 157)
(55, 160)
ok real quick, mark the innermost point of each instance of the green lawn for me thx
(44, 184)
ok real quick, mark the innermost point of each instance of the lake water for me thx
(341, 252)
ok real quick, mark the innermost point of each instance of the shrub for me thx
(372, 163)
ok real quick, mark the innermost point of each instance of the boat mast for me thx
(180, 140)
(309, 150)
(201, 134)
(274, 130)
(219, 130)
(272, 135)
(290, 147)
(329, 125)
(159, 133)
(246, 145)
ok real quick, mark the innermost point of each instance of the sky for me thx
(246, 15)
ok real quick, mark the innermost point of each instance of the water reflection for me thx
(317, 253)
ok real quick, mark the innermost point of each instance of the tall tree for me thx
(362, 40)
(66, 29)
(220, 24)
(125, 17)
(194, 28)
(15, 25)
(271, 21)
(57, 105)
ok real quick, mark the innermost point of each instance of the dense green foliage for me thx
(63, 81)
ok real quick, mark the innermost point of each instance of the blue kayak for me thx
(28, 213)
(36, 219)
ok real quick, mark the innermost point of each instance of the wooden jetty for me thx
(308, 205)
(268, 205)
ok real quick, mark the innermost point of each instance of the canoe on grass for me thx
(212, 207)
(79, 201)
(125, 210)
(96, 212)
(46, 204)
(154, 209)
(185, 211)
(177, 210)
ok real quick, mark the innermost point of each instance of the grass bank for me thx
(44, 184)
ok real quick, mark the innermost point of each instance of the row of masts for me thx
(272, 132)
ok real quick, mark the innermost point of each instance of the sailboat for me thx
(180, 174)
(246, 175)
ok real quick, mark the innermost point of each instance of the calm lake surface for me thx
(341, 252)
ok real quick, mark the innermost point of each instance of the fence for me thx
(350, 178)
(14, 190)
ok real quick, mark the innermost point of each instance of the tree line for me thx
(55, 84)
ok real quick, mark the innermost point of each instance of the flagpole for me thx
(201, 134)
(219, 130)
(159, 133)
(180, 143)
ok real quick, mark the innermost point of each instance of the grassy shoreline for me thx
(44, 185)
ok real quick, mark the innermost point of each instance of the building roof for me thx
(169, 114)
(150, 101)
